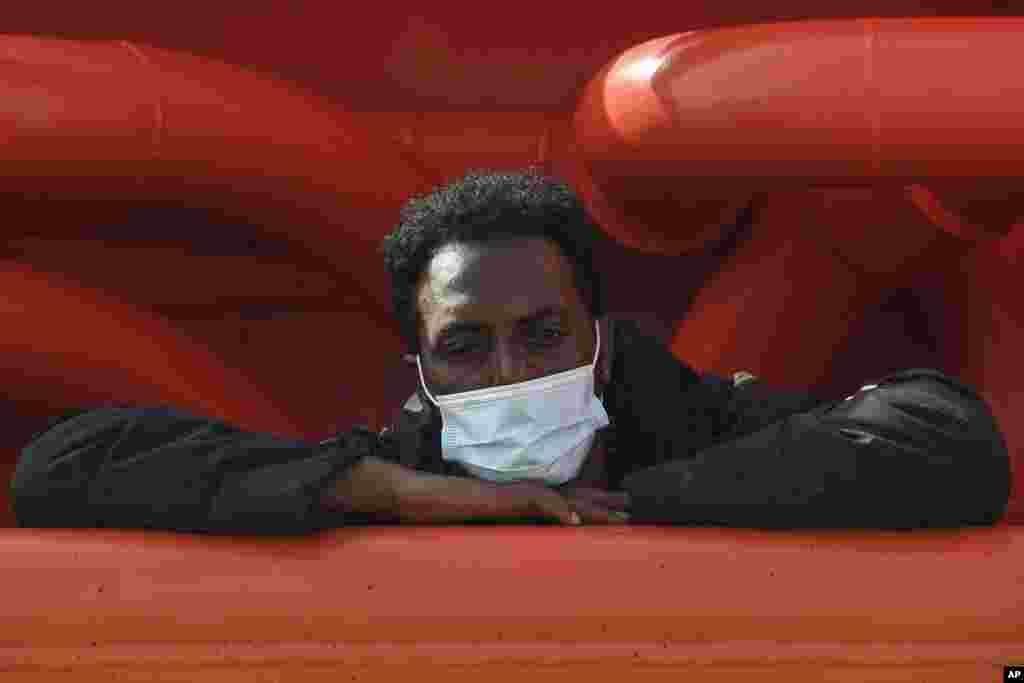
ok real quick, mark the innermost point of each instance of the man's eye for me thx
(549, 336)
(458, 349)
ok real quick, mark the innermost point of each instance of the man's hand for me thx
(597, 506)
(392, 492)
(588, 495)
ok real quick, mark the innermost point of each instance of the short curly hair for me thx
(485, 206)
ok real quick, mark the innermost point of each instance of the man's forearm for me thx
(368, 487)
(385, 491)
(389, 492)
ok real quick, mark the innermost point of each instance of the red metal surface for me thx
(500, 601)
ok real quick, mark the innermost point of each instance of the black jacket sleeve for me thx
(663, 411)
(160, 468)
(921, 458)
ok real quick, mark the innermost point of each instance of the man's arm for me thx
(912, 455)
(159, 468)
(692, 451)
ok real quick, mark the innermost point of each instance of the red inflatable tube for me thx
(995, 320)
(696, 123)
(780, 306)
(332, 369)
(805, 278)
(65, 346)
(112, 121)
(405, 56)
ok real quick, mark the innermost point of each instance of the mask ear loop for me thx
(597, 352)
(423, 382)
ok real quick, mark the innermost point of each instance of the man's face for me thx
(499, 313)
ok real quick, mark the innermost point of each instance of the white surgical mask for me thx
(538, 430)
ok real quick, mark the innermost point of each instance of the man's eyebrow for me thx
(470, 326)
(546, 312)
(463, 326)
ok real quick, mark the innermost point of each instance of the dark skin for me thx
(476, 331)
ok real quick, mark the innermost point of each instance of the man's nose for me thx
(510, 367)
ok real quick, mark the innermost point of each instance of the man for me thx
(533, 405)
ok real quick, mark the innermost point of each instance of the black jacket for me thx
(669, 445)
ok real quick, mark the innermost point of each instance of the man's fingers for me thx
(542, 502)
(553, 506)
(572, 507)
(591, 513)
(615, 500)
